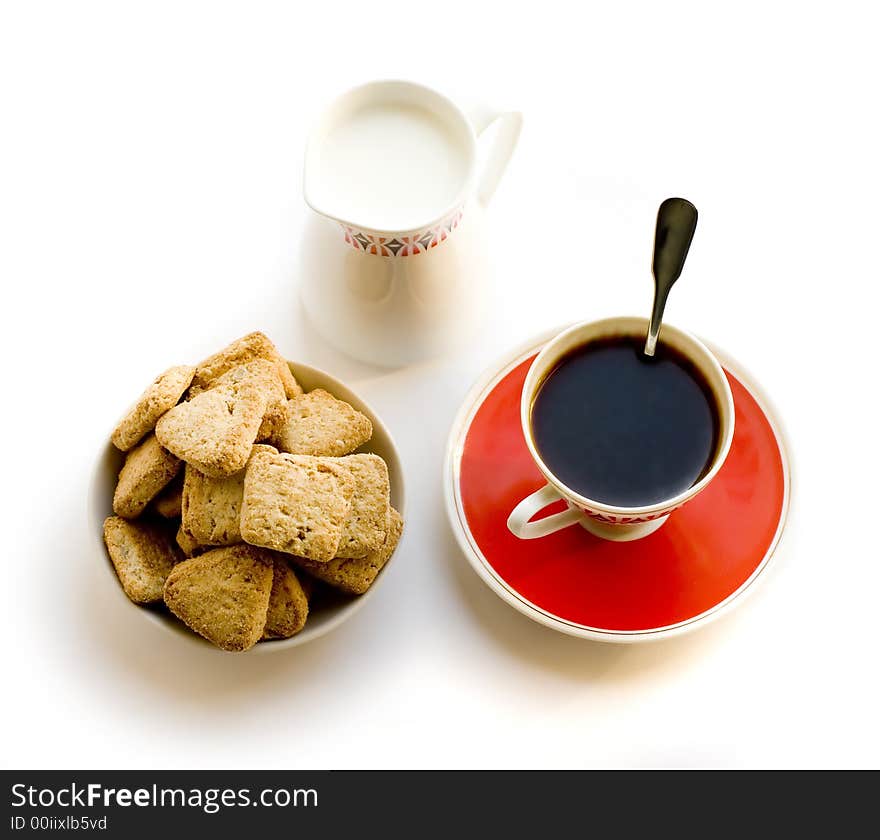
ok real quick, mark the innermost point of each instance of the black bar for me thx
(417, 804)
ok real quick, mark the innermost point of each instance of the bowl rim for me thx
(343, 612)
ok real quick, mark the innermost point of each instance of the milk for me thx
(390, 167)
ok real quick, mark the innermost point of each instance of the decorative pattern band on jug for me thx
(385, 245)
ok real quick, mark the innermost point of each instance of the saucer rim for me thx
(472, 402)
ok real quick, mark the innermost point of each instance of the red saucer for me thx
(702, 560)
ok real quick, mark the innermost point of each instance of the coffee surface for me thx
(624, 429)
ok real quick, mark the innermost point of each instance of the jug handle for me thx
(482, 116)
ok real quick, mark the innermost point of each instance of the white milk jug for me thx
(394, 257)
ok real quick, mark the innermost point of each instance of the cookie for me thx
(318, 424)
(163, 393)
(167, 503)
(223, 595)
(273, 417)
(356, 575)
(266, 374)
(143, 555)
(295, 503)
(269, 422)
(147, 469)
(367, 522)
(211, 507)
(215, 430)
(187, 543)
(254, 345)
(288, 603)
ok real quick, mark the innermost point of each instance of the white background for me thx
(150, 207)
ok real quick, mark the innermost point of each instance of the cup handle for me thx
(518, 522)
(499, 156)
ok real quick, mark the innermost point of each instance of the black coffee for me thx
(622, 428)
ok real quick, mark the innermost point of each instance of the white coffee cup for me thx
(613, 522)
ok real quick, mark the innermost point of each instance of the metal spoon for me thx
(676, 223)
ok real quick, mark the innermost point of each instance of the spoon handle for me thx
(676, 223)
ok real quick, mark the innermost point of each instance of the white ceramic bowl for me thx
(333, 607)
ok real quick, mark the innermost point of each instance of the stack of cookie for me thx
(260, 482)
